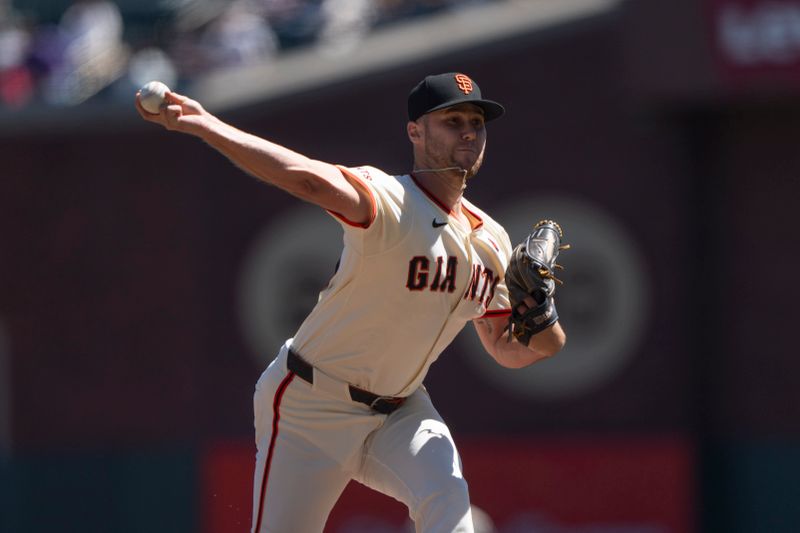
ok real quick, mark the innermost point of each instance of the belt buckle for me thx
(391, 400)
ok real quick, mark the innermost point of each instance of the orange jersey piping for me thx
(373, 204)
(496, 313)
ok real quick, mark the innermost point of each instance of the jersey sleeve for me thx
(386, 226)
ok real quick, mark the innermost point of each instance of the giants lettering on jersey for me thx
(419, 269)
(481, 286)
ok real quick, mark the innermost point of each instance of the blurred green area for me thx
(750, 486)
(120, 492)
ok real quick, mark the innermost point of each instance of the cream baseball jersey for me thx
(407, 283)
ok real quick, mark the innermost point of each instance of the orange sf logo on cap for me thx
(464, 83)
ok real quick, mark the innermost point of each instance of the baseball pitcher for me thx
(343, 399)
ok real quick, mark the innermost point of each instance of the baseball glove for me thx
(531, 272)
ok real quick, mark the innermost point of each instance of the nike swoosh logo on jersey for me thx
(436, 224)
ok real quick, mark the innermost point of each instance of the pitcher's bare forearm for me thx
(272, 163)
(510, 353)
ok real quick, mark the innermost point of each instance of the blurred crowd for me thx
(103, 49)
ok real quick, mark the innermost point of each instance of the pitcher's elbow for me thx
(550, 344)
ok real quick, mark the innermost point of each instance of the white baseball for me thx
(151, 96)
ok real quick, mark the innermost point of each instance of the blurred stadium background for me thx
(145, 283)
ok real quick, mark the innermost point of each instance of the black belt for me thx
(382, 404)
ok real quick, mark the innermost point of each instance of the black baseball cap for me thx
(445, 90)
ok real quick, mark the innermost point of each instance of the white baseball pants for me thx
(312, 442)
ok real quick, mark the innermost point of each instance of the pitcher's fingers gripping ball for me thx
(176, 112)
(531, 274)
(152, 96)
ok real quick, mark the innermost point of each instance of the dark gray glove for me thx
(531, 272)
